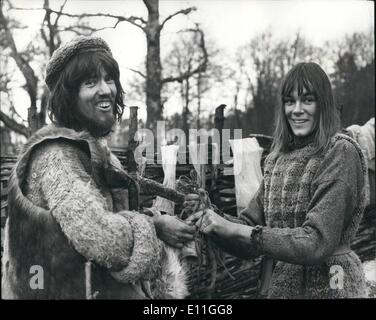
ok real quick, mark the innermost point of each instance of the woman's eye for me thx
(309, 100)
(289, 102)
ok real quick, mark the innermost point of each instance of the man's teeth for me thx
(104, 105)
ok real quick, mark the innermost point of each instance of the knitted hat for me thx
(63, 54)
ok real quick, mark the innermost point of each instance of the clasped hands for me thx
(177, 232)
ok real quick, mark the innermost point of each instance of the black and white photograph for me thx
(202, 151)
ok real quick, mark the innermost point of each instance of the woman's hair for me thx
(311, 77)
(62, 105)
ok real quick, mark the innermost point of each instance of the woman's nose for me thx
(298, 107)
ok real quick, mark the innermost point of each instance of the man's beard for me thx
(98, 128)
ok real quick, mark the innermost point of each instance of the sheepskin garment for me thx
(63, 212)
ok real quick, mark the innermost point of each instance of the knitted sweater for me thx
(64, 212)
(307, 207)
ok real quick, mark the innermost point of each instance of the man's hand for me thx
(173, 231)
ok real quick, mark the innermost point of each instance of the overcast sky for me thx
(230, 23)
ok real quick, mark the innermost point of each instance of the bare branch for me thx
(138, 72)
(43, 34)
(13, 125)
(136, 21)
(200, 68)
(183, 11)
(26, 9)
(59, 15)
(47, 18)
(27, 71)
(14, 112)
(76, 29)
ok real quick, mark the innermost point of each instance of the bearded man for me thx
(65, 207)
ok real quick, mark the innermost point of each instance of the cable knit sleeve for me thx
(83, 214)
(334, 190)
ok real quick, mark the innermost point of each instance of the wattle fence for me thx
(244, 274)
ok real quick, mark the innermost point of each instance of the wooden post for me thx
(88, 280)
(131, 163)
(219, 120)
(202, 155)
(132, 144)
(88, 288)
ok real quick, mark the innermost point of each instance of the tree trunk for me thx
(186, 107)
(153, 65)
(198, 83)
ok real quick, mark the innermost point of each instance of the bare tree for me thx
(262, 63)
(193, 62)
(185, 57)
(7, 40)
(353, 78)
(43, 46)
(50, 38)
(152, 28)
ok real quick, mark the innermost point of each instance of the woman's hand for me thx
(173, 231)
(211, 223)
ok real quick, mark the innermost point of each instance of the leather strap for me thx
(342, 249)
(266, 275)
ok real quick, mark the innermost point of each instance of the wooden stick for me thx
(149, 186)
(132, 165)
(88, 280)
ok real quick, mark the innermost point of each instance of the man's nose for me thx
(103, 87)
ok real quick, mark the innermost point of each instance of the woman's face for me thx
(301, 112)
(96, 103)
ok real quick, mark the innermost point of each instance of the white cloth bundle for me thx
(169, 158)
(247, 169)
(198, 154)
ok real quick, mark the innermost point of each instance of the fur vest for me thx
(34, 238)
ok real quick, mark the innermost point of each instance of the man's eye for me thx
(109, 79)
(89, 82)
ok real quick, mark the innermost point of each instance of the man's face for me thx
(96, 103)
(301, 112)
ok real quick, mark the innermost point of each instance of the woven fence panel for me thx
(221, 187)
